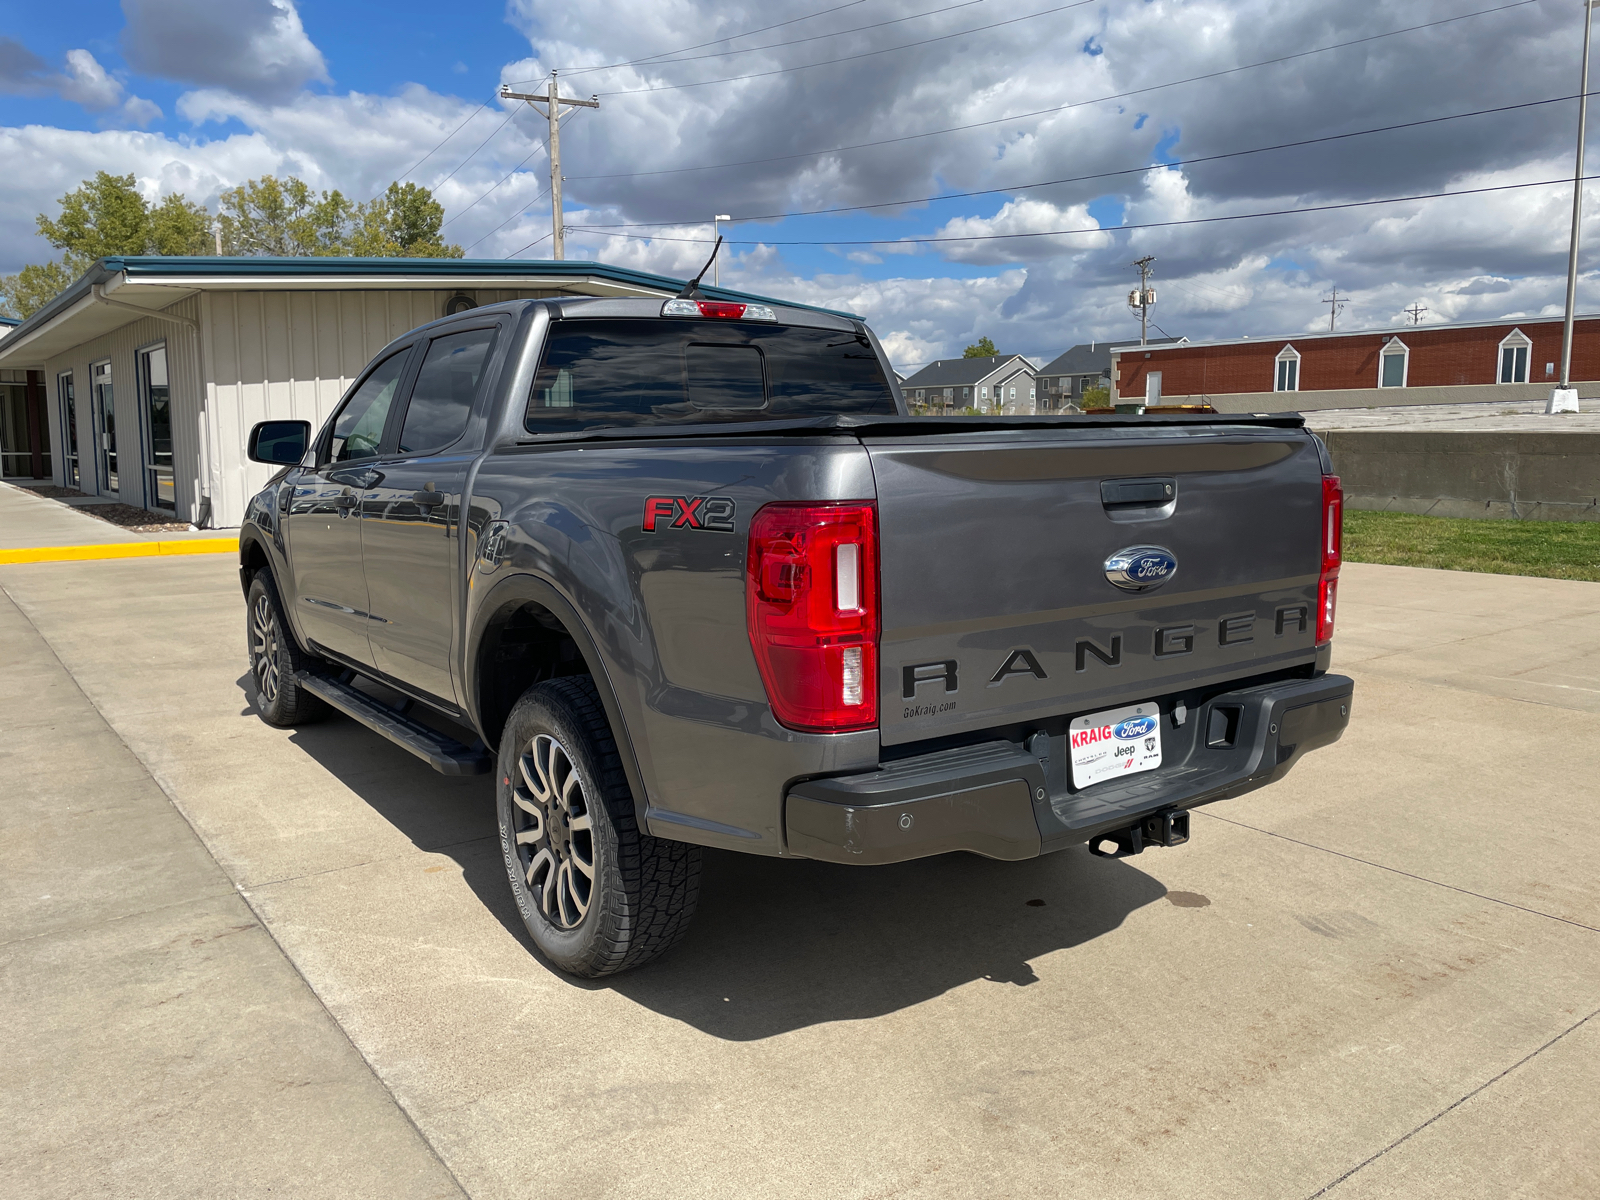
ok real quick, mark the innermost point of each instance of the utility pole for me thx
(1335, 305)
(552, 111)
(1415, 313)
(1569, 402)
(716, 234)
(1144, 297)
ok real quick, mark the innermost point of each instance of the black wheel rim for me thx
(264, 649)
(554, 833)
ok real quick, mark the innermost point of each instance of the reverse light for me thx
(1332, 549)
(811, 604)
(722, 310)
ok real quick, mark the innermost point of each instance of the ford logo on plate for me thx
(1139, 568)
(1133, 728)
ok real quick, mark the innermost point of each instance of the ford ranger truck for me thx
(686, 574)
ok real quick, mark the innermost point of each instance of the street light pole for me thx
(1569, 402)
(716, 232)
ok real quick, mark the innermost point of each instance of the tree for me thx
(982, 348)
(286, 218)
(404, 222)
(178, 227)
(1098, 396)
(30, 289)
(101, 216)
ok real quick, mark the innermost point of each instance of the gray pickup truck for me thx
(686, 574)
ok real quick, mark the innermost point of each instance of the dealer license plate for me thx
(1119, 741)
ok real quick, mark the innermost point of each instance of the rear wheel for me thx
(275, 660)
(596, 893)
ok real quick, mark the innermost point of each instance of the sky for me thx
(1090, 134)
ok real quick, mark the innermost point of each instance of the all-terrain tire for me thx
(275, 659)
(597, 894)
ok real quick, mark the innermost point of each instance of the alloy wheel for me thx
(555, 837)
(264, 648)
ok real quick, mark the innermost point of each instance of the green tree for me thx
(1095, 397)
(404, 222)
(101, 216)
(30, 289)
(178, 227)
(982, 348)
(269, 217)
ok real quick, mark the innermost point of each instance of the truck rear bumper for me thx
(1005, 800)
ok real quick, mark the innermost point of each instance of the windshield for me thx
(664, 372)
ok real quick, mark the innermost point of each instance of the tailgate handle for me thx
(1137, 491)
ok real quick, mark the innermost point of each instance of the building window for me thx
(966, 393)
(70, 475)
(1514, 352)
(1288, 370)
(983, 393)
(1013, 393)
(1393, 364)
(159, 491)
(105, 426)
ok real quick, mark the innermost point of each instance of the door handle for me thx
(346, 499)
(427, 498)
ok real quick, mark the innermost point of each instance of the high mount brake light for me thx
(722, 310)
(1332, 548)
(811, 603)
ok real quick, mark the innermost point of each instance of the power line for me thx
(998, 237)
(529, 246)
(750, 162)
(944, 37)
(521, 212)
(543, 145)
(473, 155)
(1177, 162)
(699, 45)
(815, 37)
(447, 137)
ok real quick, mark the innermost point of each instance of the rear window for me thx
(599, 373)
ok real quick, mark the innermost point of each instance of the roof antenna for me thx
(691, 290)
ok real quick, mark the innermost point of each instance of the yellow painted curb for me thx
(39, 554)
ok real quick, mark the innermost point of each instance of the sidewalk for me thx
(30, 522)
(157, 1041)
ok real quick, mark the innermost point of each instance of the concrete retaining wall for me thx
(1241, 402)
(1527, 476)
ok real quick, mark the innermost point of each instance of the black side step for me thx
(442, 752)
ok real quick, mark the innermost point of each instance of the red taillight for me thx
(1332, 556)
(811, 602)
(721, 308)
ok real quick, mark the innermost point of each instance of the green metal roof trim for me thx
(155, 268)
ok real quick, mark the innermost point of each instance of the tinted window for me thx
(446, 385)
(359, 429)
(656, 372)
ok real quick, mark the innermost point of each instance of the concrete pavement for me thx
(1377, 978)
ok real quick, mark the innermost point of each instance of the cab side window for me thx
(359, 428)
(447, 384)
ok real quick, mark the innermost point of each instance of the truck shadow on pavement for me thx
(779, 944)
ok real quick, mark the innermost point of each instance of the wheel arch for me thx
(523, 632)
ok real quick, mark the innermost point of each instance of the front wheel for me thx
(597, 895)
(275, 660)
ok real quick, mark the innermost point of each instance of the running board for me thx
(441, 751)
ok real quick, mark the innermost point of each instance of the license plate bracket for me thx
(1115, 743)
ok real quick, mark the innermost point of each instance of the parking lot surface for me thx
(236, 959)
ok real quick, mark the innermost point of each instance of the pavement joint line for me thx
(1407, 874)
(255, 887)
(260, 920)
(45, 554)
(1326, 1188)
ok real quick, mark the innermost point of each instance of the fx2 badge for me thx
(714, 513)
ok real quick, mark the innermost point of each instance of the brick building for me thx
(1421, 364)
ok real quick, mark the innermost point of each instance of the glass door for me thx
(105, 418)
(158, 484)
(69, 431)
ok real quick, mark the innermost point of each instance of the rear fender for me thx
(507, 597)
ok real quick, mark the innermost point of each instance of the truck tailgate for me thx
(997, 608)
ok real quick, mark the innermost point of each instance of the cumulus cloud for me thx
(257, 48)
(84, 82)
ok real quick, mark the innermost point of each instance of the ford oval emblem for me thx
(1133, 728)
(1140, 568)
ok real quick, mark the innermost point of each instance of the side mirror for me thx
(279, 443)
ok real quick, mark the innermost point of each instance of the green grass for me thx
(1552, 549)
